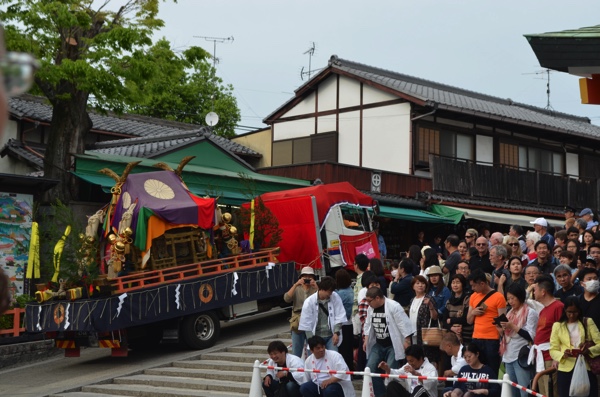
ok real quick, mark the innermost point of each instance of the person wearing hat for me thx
(587, 215)
(297, 294)
(590, 262)
(569, 212)
(540, 225)
(438, 290)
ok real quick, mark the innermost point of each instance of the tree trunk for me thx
(68, 128)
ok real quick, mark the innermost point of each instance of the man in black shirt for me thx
(451, 245)
(590, 300)
(562, 274)
(482, 259)
(545, 261)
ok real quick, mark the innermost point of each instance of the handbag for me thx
(295, 321)
(523, 357)
(594, 362)
(432, 336)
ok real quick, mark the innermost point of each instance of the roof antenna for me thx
(547, 72)
(212, 118)
(310, 52)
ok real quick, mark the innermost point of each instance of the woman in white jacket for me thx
(323, 314)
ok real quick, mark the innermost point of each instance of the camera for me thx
(307, 281)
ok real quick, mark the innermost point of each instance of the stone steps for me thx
(227, 372)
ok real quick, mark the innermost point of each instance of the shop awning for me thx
(409, 214)
(200, 180)
(504, 218)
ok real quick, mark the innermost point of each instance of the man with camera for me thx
(302, 289)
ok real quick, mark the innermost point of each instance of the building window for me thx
(442, 142)
(318, 147)
(529, 158)
(509, 155)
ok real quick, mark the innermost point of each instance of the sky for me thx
(471, 44)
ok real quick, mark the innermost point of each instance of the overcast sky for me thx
(471, 44)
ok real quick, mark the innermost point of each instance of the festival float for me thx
(165, 259)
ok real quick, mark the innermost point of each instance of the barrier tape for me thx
(438, 378)
(532, 392)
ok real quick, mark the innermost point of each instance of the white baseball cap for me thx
(540, 221)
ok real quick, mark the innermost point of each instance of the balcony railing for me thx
(17, 323)
(499, 182)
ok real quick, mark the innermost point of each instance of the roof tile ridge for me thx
(339, 62)
(149, 139)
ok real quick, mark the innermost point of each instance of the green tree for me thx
(185, 88)
(88, 50)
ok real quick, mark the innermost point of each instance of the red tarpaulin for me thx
(299, 239)
(348, 246)
(326, 195)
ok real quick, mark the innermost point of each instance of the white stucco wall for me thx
(293, 129)
(386, 138)
(326, 123)
(349, 138)
(327, 94)
(304, 107)
(572, 164)
(349, 92)
(484, 149)
(372, 95)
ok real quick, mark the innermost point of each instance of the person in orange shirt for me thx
(485, 305)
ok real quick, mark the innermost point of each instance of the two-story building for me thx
(407, 138)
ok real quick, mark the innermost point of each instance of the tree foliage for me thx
(184, 88)
(101, 49)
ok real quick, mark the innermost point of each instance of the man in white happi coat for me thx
(325, 384)
(276, 379)
(323, 314)
(417, 365)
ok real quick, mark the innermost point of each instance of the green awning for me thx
(201, 180)
(448, 212)
(409, 214)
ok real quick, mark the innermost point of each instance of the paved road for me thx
(96, 365)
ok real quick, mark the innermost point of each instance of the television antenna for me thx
(212, 118)
(545, 72)
(311, 53)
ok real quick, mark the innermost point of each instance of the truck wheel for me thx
(199, 331)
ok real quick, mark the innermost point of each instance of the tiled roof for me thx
(149, 147)
(37, 108)
(450, 199)
(458, 100)
(33, 156)
(394, 199)
(580, 33)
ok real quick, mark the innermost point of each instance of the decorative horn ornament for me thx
(182, 164)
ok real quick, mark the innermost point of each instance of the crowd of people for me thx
(520, 304)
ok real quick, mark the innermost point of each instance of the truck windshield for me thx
(356, 218)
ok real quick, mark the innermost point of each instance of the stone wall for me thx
(28, 352)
